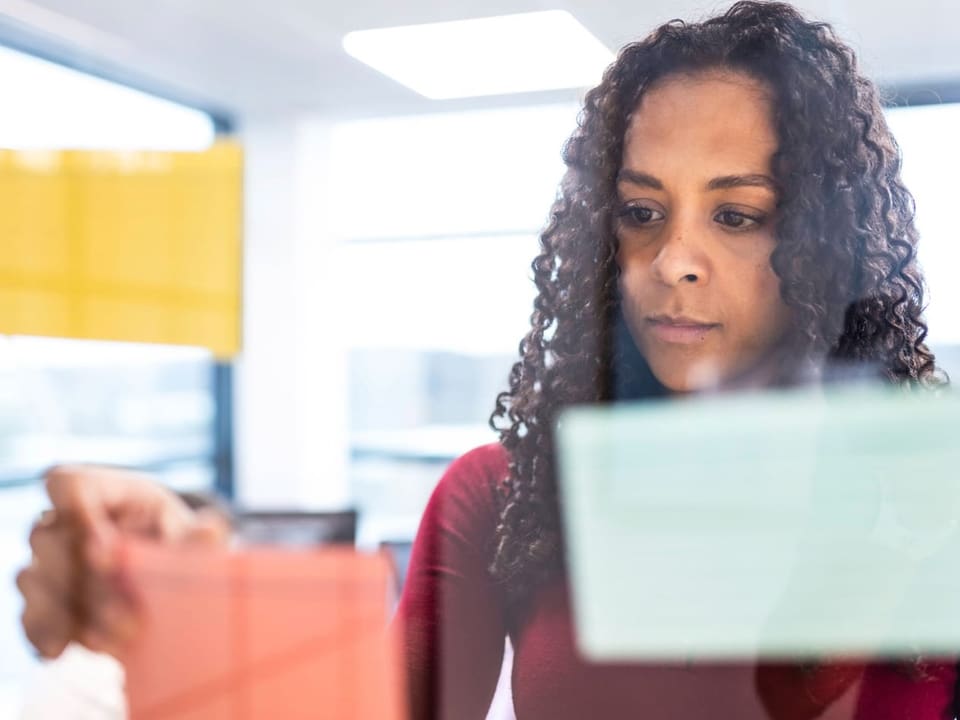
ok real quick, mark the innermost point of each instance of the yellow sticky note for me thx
(128, 246)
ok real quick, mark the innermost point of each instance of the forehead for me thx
(720, 116)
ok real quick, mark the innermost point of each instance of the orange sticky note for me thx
(261, 633)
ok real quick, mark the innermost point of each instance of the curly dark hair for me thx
(845, 254)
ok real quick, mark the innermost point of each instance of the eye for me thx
(639, 215)
(737, 220)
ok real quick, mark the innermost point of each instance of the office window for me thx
(431, 346)
(438, 243)
(65, 400)
(79, 401)
(927, 135)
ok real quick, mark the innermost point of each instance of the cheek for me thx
(634, 278)
(760, 301)
(628, 287)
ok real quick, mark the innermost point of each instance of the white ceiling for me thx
(258, 56)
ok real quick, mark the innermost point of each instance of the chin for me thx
(688, 377)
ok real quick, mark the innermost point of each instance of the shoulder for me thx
(473, 481)
(465, 505)
(478, 470)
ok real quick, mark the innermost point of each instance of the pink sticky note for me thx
(261, 633)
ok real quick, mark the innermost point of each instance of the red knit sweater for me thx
(455, 624)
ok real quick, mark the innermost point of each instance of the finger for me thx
(48, 518)
(109, 611)
(47, 622)
(99, 497)
(75, 496)
(209, 528)
(106, 501)
(56, 556)
(168, 519)
(113, 627)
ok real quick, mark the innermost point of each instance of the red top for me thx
(455, 624)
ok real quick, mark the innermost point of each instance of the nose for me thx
(681, 259)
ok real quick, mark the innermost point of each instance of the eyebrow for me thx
(724, 182)
(636, 177)
(732, 181)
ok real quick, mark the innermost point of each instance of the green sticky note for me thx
(768, 525)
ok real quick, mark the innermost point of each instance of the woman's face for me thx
(695, 221)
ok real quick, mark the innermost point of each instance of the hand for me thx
(74, 589)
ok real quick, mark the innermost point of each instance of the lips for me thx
(679, 329)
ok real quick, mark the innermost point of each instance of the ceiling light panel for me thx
(501, 55)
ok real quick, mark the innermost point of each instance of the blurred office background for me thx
(387, 243)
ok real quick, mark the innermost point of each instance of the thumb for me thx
(209, 529)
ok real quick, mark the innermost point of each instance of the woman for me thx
(732, 215)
